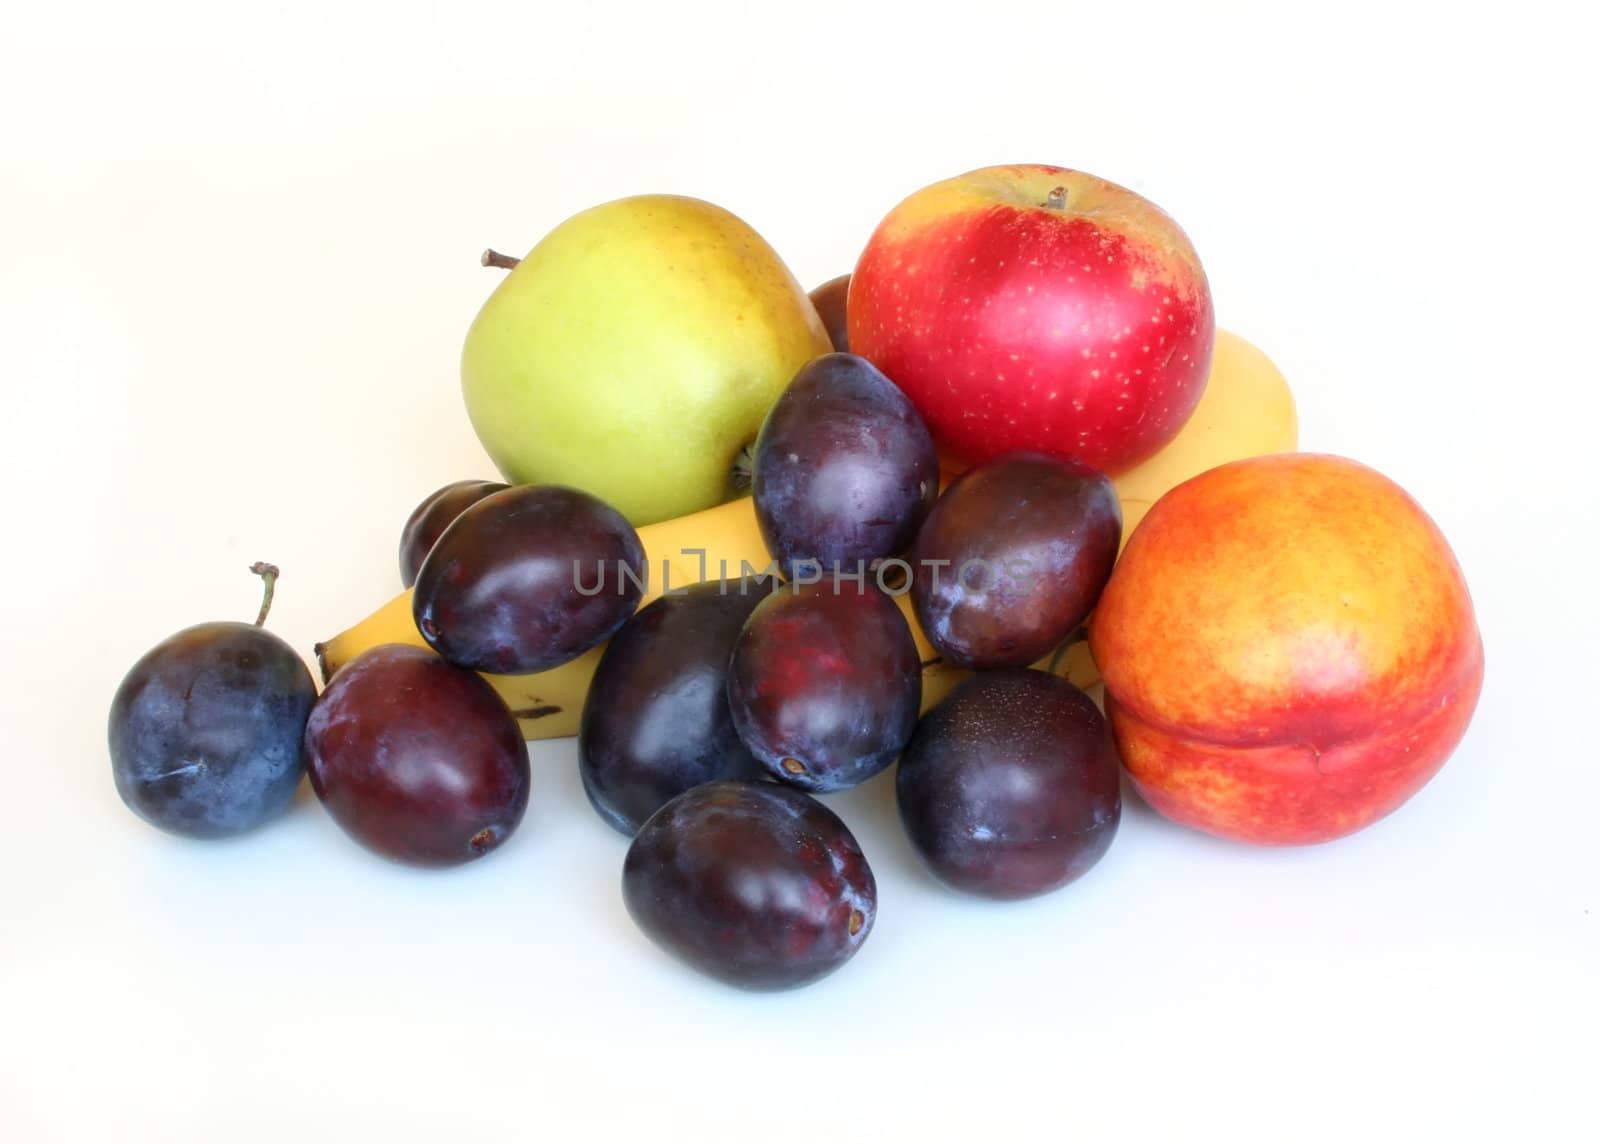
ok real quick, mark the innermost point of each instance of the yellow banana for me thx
(1247, 410)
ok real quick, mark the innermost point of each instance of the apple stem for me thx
(1057, 199)
(269, 578)
(744, 468)
(500, 261)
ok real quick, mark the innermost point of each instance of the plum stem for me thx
(500, 261)
(269, 578)
(1056, 199)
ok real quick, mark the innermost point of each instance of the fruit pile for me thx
(1008, 458)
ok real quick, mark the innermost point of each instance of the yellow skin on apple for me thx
(634, 352)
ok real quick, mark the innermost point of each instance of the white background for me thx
(238, 254)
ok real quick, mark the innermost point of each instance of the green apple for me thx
(635, 352)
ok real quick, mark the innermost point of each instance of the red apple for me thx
(1036, 308)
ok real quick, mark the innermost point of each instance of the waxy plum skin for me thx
(755, 884)
(825, 683)
(1012, 559)
(1010, 787)
(527, 579)
(432, 516)
(417, 759)
(205, 730)
(844, 469)
(831, 300)
(656, 720)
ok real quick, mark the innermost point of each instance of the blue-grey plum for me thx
(205, 729)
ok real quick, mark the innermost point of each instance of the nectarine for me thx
(1289, 650)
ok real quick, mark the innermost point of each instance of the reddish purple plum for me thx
(829, 299)
(430, 518)
(1013, 558)
(825, 683)
(417, 759)
(755, 884)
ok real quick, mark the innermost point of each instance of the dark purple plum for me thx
(656, 720)
(527, 579)
(1010, 786)
(430, 518)
(206, 728)
(829, 299)
(418, 760)
(825, 683)
(1013, 558)
(845, 470)
(752, 883)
